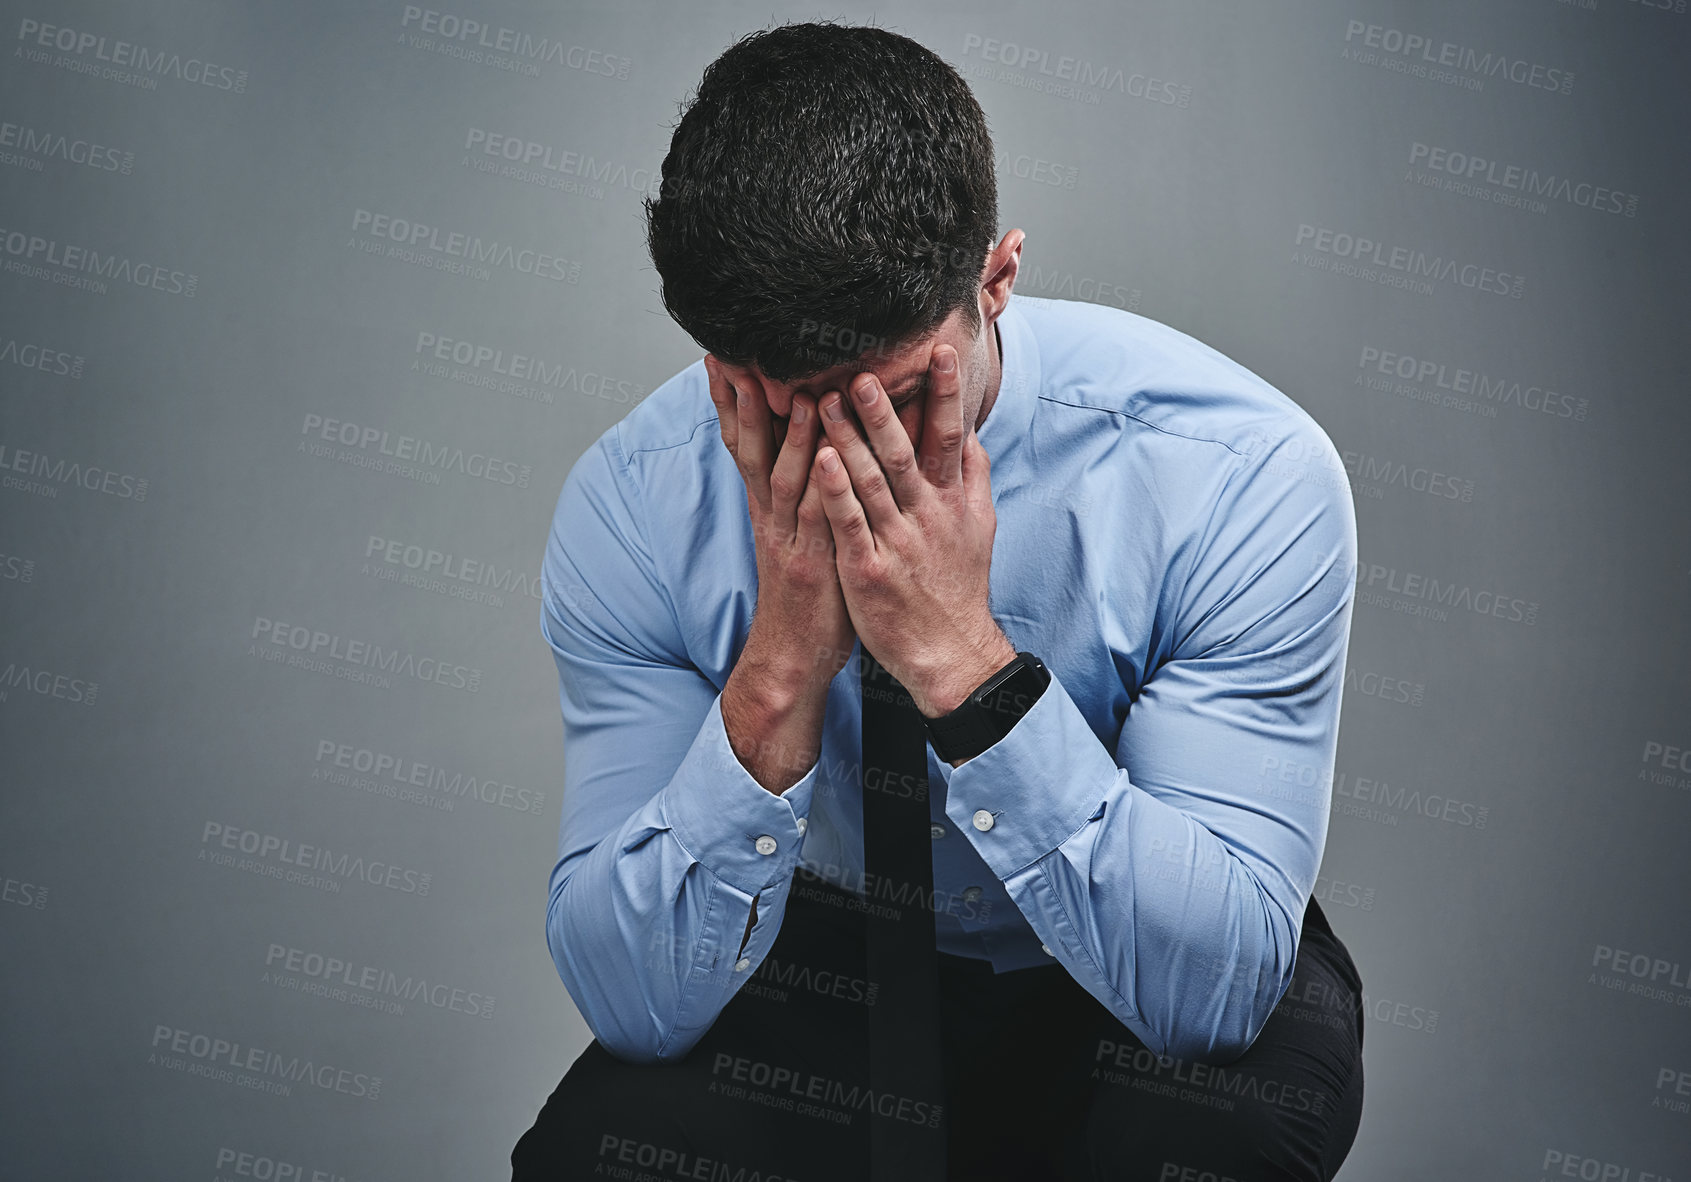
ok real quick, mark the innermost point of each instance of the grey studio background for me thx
(308, 309)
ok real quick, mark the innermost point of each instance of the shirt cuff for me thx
(736, 828)
(1035, 788)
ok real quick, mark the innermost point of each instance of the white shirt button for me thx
(972, 894)
(765, 845)
(983, 820)
(936, 831)
(742, 964)
(802, 826)
(1046, 948)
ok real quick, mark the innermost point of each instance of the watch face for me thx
(992, 711)
(1014, 696)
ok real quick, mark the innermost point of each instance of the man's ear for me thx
(998, 275)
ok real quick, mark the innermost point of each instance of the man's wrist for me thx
(952, 684)
(774, 731)
(780, 682)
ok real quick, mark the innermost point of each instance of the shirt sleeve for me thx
(1170, 878)
(665, 838)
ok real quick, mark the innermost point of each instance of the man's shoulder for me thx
(634, 458)
(671, 416)
(1110, 359)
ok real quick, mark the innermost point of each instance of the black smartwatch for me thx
(988, 714)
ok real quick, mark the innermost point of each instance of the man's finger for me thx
(791, 474)
(814, 533)
(977, 472)
(889, 443)
(943, 428)
(853, 539)
(722, 397)
(756, 444)
(870, 483)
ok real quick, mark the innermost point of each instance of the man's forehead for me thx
(892, 380)
(896, 372)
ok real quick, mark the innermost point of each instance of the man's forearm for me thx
(642, 922)
(776, 733)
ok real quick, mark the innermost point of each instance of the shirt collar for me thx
(1005, 432)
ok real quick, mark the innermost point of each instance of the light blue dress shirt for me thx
(1175, 540)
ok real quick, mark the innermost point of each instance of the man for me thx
(886, 454)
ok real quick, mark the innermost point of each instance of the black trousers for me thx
(1043, 1084)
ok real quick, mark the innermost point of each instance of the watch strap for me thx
(989, 712)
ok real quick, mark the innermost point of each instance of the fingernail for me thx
(799, 413)
(836, 409)
(830, 462)
(865, 393)
(945, 362)
(742, 397)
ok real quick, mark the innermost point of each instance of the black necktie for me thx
(906, 1071)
